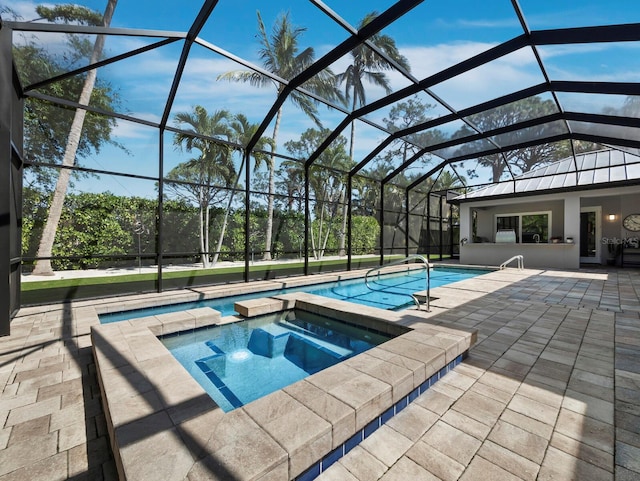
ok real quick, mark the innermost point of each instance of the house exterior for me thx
(563, 215)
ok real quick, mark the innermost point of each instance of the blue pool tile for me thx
(370, 428)
(332, 457)
(312, 473)
(211, 345)
(203, 366)
(424, 386)
(235, 402)
(353, 441)
(414, 394)
(217, 382)
(400, 405)
(388, 414)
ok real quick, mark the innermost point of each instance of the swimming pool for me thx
(397, 296)
(240, 362)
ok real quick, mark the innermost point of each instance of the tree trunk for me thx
(353, 129)
(352, 140)
(201, 214)
(272, 189)
(207, 222)
(226, 215)
(323, 231)
(43, 266)
(497, 168)
(343, 229)
(313, 243)
(320, 230)
(326, 238)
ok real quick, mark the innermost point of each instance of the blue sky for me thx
(434, 36)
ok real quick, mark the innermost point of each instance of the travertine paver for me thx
(480, 468)
(388, 446)
(413, 421)
(304, 434)
(406, 469)
(509, 461)
(363, 465)
(519, 441)
(556, 365)
(434, 461)
(452, 442)
(557, 393)
(341, 417)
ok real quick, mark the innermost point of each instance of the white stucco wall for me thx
(565, 208)
(557, 256)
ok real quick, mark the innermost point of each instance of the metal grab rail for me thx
(518, 258)
(425, 264)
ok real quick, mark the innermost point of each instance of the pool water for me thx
(240, 362)
(391, 291)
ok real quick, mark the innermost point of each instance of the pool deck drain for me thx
(551, 389)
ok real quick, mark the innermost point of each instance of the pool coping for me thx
(132, 302)
(162, 424)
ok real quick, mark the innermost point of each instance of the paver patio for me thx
(551, 390)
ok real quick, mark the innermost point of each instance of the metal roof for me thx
(605, 168)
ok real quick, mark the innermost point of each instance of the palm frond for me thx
(305, 104)
(367, 65)
(254, 79)
(379, 79)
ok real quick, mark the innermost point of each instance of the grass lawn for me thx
(56, 290)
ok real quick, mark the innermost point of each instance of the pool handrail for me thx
(519, 258)
(424, 263)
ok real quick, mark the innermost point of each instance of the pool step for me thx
(422, 297)
(257, 307)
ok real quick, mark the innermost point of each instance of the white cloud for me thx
(553, 51)
(26, 11)
(605, 62)
(428, 60)
(478, 23)
(499, 77)
(131, 130)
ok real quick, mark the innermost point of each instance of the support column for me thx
(466, 222)
(11, 135)
(572, 228)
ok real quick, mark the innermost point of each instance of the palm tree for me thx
(242, 132)
(280, 54)
(447, 180)
(43, 266)
(292, 185)
(214, 166)
(326, 180)
(329, 188)
(367, 66)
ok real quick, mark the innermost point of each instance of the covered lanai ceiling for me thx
(498, 88)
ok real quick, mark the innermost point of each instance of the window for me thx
(530, 228)
(511, 222)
